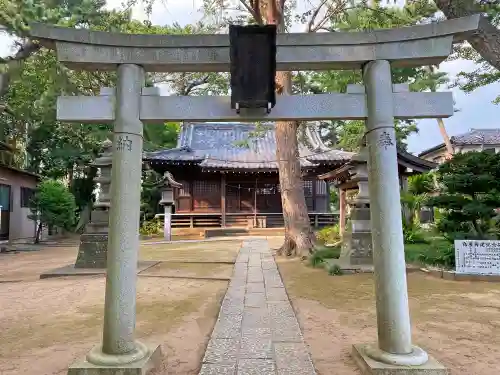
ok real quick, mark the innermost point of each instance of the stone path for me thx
(256, 332)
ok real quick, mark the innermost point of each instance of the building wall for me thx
(438, 156)
(20, 226)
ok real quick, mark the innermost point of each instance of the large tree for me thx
(482, 47)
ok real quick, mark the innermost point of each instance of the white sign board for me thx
(477, 257)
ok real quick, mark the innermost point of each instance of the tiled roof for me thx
(473, 137)
(222, 146)
(477, 137)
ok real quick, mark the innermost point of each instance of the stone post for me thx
(167, 224)
(393, 318)
(92, 252)
(119, 347)
(167, 201)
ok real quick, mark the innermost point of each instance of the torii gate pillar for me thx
(393, 316)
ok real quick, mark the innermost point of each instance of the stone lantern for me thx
(357, 248)
(92, 252)
(167, 201)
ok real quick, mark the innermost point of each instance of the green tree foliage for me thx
(482, 47)
(348, 134)
(469, 196)
(61, 150)
(419, 188)
(53, 205)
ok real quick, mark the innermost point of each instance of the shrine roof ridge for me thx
(458, 28)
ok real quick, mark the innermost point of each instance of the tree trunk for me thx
(446, 138)
(298, 233)
(486, 41)
(38, 233)
(299, 237)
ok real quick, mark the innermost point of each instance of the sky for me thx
(476, 109)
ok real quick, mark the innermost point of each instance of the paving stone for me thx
(256, 300)
(222, 351)
(217, 369)
(271, 274)
(280, 309)
(242, 259)
(255, 278)
(293, 359)
(227, 326)
(235, 291)
(248, 331)
(285, 328)
(256, 347)
(269, 265)
(256, 367)
(255, 288)
(256, 318)
(229, 307)
(239, 268)
(276, 294)
(273, 281)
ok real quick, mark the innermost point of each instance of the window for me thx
(184, 190)
(26, 195)
(490, 150)
(5, 197)
(308, 187)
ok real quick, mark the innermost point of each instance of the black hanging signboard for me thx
(253, 66)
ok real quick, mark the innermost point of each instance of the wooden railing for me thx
(246, 220)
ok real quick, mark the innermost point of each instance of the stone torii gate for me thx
(378, 103)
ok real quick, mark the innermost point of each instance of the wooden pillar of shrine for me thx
(223, 199)
(342, 209)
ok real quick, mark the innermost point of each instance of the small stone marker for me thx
(475, 257)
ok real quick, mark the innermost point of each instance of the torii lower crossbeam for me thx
(158, 109)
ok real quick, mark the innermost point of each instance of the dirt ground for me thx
(47, 324)
(200, 270)
(458, 323)
(205, 251)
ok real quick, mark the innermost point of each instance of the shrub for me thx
(334, 270)
(437, 252)
(151, 227)
(328, 235)
(469, 195)
(413, 235)
(317, 258)
(53, 206)
(441, 253)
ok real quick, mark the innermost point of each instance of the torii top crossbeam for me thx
(408, 46)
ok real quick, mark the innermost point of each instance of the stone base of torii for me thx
(374, 52)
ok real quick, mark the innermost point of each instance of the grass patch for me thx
(321, 253)
(437, 252)
(334, 270)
